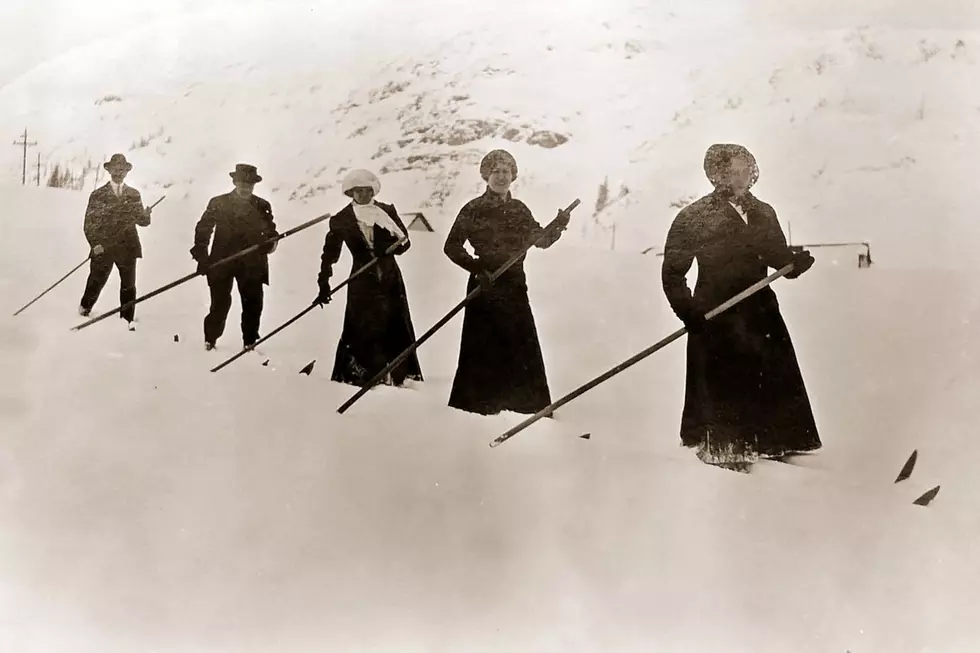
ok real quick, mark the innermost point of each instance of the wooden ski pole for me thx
(204, 272)
(151, 206)
(438, 325)
(358, 272)
(87, 258)
(548, 410)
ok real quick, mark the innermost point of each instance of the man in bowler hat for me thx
(111, 217)
(239, 220)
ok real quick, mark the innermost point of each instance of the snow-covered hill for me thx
(146, 503)
(853, 126)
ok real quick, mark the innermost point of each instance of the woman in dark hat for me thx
(500, 362)
(377, 321)
(745, 395)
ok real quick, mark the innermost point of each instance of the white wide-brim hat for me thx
(361, 179)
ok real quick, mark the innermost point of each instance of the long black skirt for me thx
(377, 328)
(500, 362)
(745, 395)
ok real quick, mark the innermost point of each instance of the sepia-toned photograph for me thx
(533, 326)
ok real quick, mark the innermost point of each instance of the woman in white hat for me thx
(377, 321)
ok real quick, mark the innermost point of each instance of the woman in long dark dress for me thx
(377, 321)
(745, 395)
(500, 362)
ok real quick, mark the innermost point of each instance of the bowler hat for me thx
(117, 160)
(245, 172)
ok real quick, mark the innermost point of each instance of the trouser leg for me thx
(252, 293)
(214, 324)
(100, 267)
(127, 288)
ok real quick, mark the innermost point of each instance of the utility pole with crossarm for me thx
(24, 143)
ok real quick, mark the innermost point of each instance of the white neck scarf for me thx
(741, 212)
(371, 214)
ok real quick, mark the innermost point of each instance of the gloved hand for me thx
(98, 250)
(270, 247)
(693, 320)
(200, 254)
(324, 296)
(563, 218)
(802, 261)
(382, 242)
(485, 278)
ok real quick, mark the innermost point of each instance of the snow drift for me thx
(148, 503)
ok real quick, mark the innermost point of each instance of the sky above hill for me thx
(35, 30)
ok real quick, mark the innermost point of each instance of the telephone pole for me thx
(24, 143)
(38, 168)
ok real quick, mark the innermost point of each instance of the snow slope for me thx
(864, 130)
(148, 504)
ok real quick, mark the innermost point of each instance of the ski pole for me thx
(548, 410)
(87, 258)
(157, 202)
(438, 325)
(358, 272)
(205, 271)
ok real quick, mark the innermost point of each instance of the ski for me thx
(927, 498)
(909, 466)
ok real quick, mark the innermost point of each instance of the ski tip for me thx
(927, 498)
(266, 363)
(908, 467)
(308, 369)
(586, 436)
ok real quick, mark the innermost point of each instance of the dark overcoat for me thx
(744, 386)
(111, 221)
(500, 363)
(377, 320)
(237, 224)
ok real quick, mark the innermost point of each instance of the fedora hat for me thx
(117, 160)
(245, 172)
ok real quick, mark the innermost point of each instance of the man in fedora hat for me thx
(239, 220)
(113, 213)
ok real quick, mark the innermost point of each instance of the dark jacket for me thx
(345, 230)
(237, 224)
(111, 221)
(497, 229)
(731, 254)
